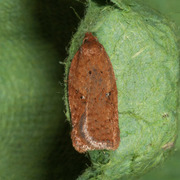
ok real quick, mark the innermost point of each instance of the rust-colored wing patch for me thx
(92, 94)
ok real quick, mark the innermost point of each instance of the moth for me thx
(93, 100)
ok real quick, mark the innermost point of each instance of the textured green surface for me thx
(144, 55)
(170, 169)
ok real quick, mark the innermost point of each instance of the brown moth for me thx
(92, 94)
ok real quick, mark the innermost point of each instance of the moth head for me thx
(89, 38)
